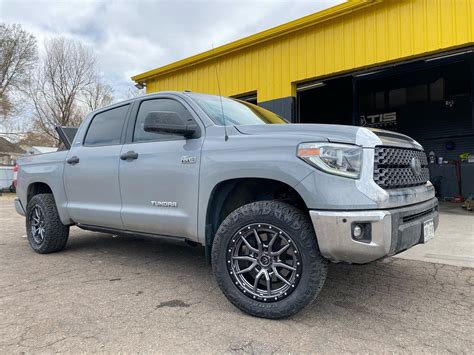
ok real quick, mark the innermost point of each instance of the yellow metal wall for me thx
(383, 32)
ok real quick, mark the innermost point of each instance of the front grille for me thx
(393, 167)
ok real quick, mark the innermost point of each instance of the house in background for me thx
(9, 152)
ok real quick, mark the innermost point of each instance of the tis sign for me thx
(380, 120)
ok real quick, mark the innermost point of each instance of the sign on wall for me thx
(388, 120)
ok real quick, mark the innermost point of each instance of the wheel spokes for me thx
(245, 257)
(250, 268)
(285, 266)
(36, 217)
(269, 284)
(248, 245)
(281, 251)
(259, 241)
(272, 241)
(257, 280)
(37, 225)
(278, 275)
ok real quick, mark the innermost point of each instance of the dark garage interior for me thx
(430, 100)
(327, 102)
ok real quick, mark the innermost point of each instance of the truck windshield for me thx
(236, 112)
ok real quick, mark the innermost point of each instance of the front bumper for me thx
(392, 231)
(19, 207)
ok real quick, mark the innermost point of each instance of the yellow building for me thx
(405, 65)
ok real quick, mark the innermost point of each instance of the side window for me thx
(147, 106)
(106, 127)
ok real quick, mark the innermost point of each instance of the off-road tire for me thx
(298, 226)
(56, 234)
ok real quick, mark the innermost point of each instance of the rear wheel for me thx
(44, 229)
(266, 259)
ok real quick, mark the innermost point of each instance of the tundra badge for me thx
(164, 203)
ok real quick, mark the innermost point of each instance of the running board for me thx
(131, 233)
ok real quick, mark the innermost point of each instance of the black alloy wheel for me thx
(37, 224)
(264, 262)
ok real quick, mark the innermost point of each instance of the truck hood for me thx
(316, 132)
(365, 137)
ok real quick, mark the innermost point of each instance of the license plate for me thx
(428, 230)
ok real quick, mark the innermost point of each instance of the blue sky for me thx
(129, 37)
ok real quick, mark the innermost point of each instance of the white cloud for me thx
(130, 37)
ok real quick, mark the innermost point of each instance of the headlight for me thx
(338, 159)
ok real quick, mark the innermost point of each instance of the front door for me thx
(91, 171)
(159, 181)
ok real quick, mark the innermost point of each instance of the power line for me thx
(13, 133)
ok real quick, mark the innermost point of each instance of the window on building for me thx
(380, 100)
(437, 90)
(417, 93)
(458, 85)
(397, 97)
(249, 97)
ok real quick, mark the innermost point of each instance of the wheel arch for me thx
(230, 194)
(41, 187)
(36, 188)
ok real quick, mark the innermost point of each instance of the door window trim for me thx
(133, 115)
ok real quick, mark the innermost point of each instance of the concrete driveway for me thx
(130, 294)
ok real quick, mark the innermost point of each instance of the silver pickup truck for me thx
(271, 202)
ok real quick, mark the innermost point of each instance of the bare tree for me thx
(134, 93)
(35, 137)
(66, 73)
(18, 55)
(97, 94)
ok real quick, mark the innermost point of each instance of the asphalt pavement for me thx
(105, 294)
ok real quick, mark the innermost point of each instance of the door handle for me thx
(131, 155)
(73, 160)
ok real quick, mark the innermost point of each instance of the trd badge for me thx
(188, 159)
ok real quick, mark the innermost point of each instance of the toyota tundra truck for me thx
(272, 203)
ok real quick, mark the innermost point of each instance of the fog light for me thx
(362, 232)
(358, 232)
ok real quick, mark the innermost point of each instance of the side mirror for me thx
(167, 122)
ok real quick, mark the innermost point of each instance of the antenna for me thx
(226, 137)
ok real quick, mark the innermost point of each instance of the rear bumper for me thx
(19, 207)
(391, 231)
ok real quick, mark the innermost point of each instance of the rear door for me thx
(160, 184)
(91, 172)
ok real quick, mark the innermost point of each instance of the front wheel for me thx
(266, 259)
(45, 232)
